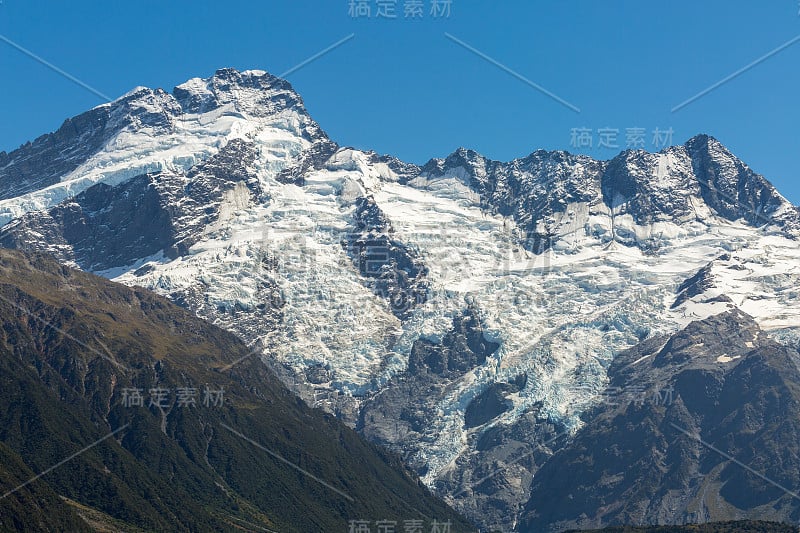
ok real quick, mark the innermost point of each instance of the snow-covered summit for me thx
(698, 181)
(150, 130)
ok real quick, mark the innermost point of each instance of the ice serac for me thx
(464, 313)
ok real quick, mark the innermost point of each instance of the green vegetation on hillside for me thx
(74, 347)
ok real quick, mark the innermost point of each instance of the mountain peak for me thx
(702, 139)
(254, 91)
(253, 78)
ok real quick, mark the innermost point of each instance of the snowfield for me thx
(560, 316)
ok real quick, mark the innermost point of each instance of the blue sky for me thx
(402, 86)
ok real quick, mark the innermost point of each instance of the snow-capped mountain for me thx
(461, 313)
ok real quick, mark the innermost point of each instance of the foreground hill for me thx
(211, 447)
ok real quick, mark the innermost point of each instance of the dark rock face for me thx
(312, 159)
(404, 171)
(368, 217)
(463, 348)
(390, 268)
(695, 285)
(83, 231)
(493, 480)
(642, 461)
(732, 189)
(106, 227)
(537, 191)
(490, 404)
(403, 417)
(318, 374)
(198, 204)
(631, 185)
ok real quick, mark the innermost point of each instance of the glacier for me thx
(569, 261)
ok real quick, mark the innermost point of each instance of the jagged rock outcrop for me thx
(717, 393)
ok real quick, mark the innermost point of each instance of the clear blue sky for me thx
(401, 86)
